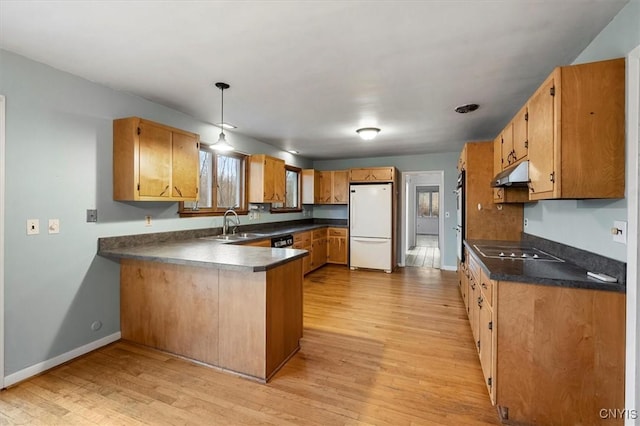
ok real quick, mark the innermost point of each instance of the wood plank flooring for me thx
(383, 349)
(425, 254)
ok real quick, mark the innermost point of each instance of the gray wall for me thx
(58, 164)
(586, 224)
(408, 163)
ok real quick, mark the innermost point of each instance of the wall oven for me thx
(460, 202)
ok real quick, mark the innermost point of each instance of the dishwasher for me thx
(284, 241)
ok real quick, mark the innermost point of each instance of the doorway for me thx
(422, 223)
(425, 251)
(2, 182)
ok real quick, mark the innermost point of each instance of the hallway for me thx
(425, 254)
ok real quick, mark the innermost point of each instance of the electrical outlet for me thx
(92, 215)
(33, 226)
(54, 226)
(526, 222)
(147, 221)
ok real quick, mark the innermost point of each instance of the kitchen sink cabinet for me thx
(154, 162)
(576, 133)
(266, 179)
(338, 248)
(372, 174)
(334, 187)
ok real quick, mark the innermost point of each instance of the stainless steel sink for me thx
(234, 237)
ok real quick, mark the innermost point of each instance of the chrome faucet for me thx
(225, 224)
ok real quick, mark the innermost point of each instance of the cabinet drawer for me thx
(302, 245)
(474, 268)
(302, 237)
(486, 287)
(337, 232)
(320, 233)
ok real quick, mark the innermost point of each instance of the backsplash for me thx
(590, 261)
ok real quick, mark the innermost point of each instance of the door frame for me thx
(405, 210)
(632, 373)
(3, 122)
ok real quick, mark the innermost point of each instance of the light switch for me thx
(54, 226)
(619, 231)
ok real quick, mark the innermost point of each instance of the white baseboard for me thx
(449, 268)
(24, 374)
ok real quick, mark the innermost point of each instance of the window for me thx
(428, 202)
(292, 191)
(222, 185)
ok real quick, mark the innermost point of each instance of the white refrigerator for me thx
(370, 226)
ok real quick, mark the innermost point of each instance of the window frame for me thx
(283, 209)
(215, 210)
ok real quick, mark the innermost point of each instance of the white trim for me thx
(449, 268)
(632, 370)
(41, 367)
(3, 123)
(404, 211)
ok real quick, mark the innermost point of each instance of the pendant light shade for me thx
(222, 144)
(368, 133)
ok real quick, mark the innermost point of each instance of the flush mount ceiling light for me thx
(368, 133)
(463, 109)
(293, 151)
(222, 144)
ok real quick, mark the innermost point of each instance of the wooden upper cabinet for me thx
(520, 145)
(340, 187)
(373, 174)
(266, 179)
(310, 186)
(154, 162)
(541, 134)
(506, 147)
(462, 159)
(497, 155)
(576, 133)
(325, 187)
(185, 166)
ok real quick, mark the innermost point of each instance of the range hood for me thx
(517, 175)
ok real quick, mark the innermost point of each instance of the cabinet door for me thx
(279, 180)
(486, 344)
(474, 310)
(324, 179)
(507, 146)
(340, 187)
(541, 139)
(520, 134)
(184, 166)
(155, 161)
(497, 155)
(382, 173)
(337, 250)
(360, 175)
(319, 253)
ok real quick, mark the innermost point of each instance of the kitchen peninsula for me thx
(230, 306)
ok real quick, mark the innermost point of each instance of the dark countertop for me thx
(563, 274)
(206, 251)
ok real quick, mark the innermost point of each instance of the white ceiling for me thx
(306, 74)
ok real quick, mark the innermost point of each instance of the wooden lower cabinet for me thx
(338, 246)
(302, 241)
(549, 354)
(246, 322)
(318, 248)
(260, 243)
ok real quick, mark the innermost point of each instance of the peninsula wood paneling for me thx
(181, 319)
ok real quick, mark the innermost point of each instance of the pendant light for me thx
(222, 144)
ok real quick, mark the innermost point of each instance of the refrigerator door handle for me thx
(370, 240)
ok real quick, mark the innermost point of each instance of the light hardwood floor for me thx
(377, 349)
(425, 254)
